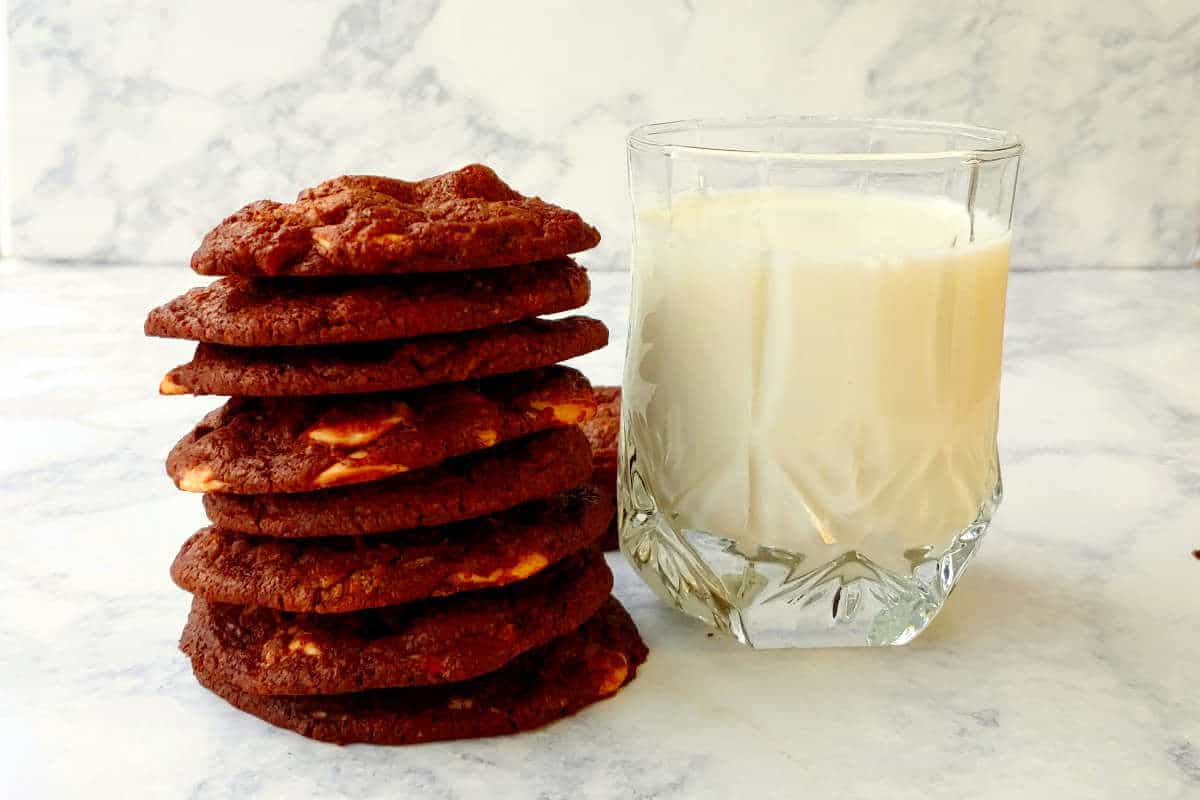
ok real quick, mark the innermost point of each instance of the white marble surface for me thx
(1064, 665)
(135, 121)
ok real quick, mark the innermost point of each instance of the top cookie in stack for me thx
(367, 225)
(398, 432)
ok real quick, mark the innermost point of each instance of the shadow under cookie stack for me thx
(404, 543)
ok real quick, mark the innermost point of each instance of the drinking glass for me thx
(811, 391)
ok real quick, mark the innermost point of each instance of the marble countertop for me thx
(1064, 665)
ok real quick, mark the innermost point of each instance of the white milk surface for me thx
(817, 370)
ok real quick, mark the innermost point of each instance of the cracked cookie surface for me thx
(485, 482)
(246, 312)
(571, 672)
(364, 224)
(336, 574)
(259, 445)
(451, 639)
(384, 366)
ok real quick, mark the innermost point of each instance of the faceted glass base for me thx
(773, 598)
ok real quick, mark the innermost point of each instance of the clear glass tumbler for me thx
(811, 391)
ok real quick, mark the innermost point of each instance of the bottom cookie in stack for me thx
(476, 628)
(539, 687)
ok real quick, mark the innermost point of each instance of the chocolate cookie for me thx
(554, 681)
(263, 651)
(365, 225)
(299, 311)
(256, 445)
(603, 427)
(343, 573)
(602, 431)
(491, 480)
(384, 366)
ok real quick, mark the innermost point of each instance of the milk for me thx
(817, 370)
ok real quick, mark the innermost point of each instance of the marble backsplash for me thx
(137, 124)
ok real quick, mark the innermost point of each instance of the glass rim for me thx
(994, 144)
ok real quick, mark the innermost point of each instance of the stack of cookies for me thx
(404, 543)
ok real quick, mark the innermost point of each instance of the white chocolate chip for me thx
(527, 566)
(566, 413)
(200, 479)
(615, 677)
(357, 432)
(306, 646)
(342, 472)
(168, 386)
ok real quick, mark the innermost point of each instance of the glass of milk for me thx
(808, 439)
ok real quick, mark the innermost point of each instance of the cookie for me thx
(367, 225)
(491, 480)
(257, 445)
(603, 427)
(552, 682)
(263, 651)
(245, 312)
(602, 431)
(384, 366)
(349, 573)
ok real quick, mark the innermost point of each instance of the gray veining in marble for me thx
(1063, 667)
(139, 123)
